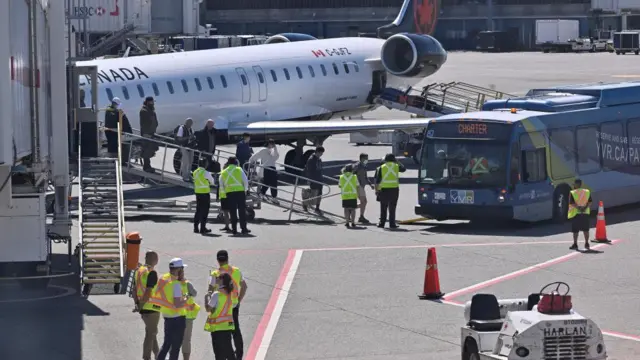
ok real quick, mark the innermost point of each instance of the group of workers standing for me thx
(172, 297)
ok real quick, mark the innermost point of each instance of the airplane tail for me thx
(415, 16)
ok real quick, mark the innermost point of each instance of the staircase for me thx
(101, 223)
(107, 42)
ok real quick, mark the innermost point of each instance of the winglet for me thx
(415, 16)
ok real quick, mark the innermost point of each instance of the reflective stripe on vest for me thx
(221, 319)
(389, 172)
(192, 309)
(234, 272)
(581, 198)
(232, 179)
(163, 295)
(349, 186)
(479, 166)
(200, 182)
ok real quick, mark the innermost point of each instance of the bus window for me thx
(514, 172)
(588, 149)
(633, 134)
(612, 146)
(534, 165)
(563, 160)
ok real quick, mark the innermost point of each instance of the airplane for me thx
(287, 89)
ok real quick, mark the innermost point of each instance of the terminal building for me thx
(458, 21)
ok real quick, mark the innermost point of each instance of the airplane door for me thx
(262, 83)
(244, 83)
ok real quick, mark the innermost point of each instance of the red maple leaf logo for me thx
(425, 14)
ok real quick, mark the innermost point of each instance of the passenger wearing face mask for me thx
(360, 169)
(268, 157)
(111, 119)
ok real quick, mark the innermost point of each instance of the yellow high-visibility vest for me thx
(162, 296)
(349, 185)
(192, 308)
(232, 179)
(581, 198)
(390, 176)
(200, 183)
(221, 318)
(236, 276)
(142, 274)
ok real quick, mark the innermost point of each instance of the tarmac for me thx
(320, 291)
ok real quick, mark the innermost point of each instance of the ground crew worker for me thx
(238, 293)
(146, 279)
(192, 313)
(202, 181)
(172, 302)
(220, 320)
(579, 210)
(388, 189)
(348, 184)
(234, 183)
(224, 206)
(360, 169)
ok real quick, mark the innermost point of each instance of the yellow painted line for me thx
(413, 221)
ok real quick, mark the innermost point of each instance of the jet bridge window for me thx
(273, 76)
(170, 87)
(324, 70)
(299, 72)
(335, 68)
(210, 82)
(109, 94)
(286, 74)
(184, 85)
(155, 89)
(346, 68)
(198, 85)
(313, 74)
(140, 91)
(125, 92)
(224, 81)
(244, 80)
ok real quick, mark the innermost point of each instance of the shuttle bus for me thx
(518, 158)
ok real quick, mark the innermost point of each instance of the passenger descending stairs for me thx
(102, 258)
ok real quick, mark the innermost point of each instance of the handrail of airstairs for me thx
(80, 191)
(120, 200)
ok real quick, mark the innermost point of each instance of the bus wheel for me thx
(560, 205)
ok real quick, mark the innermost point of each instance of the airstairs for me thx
(290, 197)
(440, 99)
(107, 42)
(139, 45)
(101, 223)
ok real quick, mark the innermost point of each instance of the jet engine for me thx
(288, 37)
(412, 55)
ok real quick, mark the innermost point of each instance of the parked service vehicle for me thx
(556, 35)
(542, 326)
(626, 41)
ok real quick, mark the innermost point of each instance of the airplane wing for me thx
(327, 127)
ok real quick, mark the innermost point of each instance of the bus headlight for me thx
(522, 351)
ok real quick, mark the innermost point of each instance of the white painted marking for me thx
(67, 292)
(277, 311)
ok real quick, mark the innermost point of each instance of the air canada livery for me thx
(287, 89)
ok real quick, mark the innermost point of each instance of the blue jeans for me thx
(173, 335)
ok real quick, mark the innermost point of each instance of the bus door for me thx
(534, 191)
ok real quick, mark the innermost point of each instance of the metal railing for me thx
(80, 211)
(120, 201)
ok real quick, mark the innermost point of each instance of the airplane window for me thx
(210, 81)
(125, 92)
(335, 68)
(260, 78)
(286, 74)
(198, 85)
(244, 80)
(109, 94)
(299, 72)
(224, 81)
(273, 75)
(140, 91)
(184, 85)
(346, 68)
(324, 70)
(170, 87)
(313, 74)
(155, 89)
(356, 67)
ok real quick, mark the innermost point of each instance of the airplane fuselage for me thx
(312, 80)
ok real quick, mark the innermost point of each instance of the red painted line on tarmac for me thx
(236, 251)
(268, 312)
(391, 247)
(518, 273)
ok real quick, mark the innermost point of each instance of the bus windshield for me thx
(458, 163)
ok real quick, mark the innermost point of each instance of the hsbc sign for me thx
(89, 11)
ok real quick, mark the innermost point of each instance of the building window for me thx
(140, 91)
(273, 76)
(198, 85)
(170, 87)
(125, 92)
(184, 85)
(156, 91)
(224, 81)
(210, 82)
(109, 94)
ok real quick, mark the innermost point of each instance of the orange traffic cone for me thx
(601, 226)
(431, 289)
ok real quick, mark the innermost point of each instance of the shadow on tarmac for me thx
(50, 328)
(618, 215)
